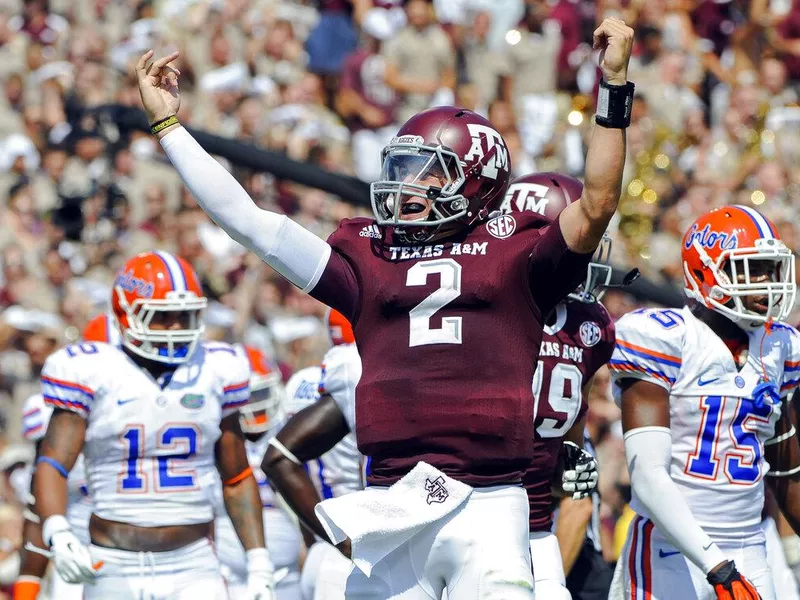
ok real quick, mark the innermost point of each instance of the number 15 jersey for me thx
(718, 432)
(148, 446)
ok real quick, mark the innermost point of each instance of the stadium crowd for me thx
(716, 120)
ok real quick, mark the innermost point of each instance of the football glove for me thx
(729, 584)
(71, 558)
(580, 474)
(260, 575)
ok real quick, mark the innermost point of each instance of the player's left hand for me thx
(260, 575)
(580, 474)
(614, 39)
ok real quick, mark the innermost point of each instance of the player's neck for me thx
(153, 367)
(728, 331)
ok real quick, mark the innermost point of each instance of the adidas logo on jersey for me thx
(371, 231)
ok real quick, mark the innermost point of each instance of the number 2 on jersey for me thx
(742, 464)
(421, 333)
(179, 442)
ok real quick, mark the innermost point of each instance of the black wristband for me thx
(163, 124)
(614, 104)
(723, 575)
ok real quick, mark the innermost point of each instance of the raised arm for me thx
(297, 254)
(783, 454)
(584, 222)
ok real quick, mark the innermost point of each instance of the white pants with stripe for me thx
(548, 568)
(188, 573)
(479, 551)
(650, 568)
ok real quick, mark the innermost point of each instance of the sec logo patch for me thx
(502, 227)
(590, 333)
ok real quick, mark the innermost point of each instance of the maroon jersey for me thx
(363, 73)
(573, 349)
(448, 334)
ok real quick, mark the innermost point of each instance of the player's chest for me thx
(471, 274)
(139, 404)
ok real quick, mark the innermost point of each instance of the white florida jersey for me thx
(718, 433)
(148, 442)
(340, 470)
(35, 418)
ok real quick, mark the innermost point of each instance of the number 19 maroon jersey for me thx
(449, 334)
(579, 342)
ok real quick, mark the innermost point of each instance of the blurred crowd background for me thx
(716, 120)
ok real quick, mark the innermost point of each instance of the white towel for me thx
(377, 521)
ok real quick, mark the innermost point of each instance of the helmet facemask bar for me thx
(404, 165)
(727, 293)
(598, 274)
(171, 346)
(265, 406)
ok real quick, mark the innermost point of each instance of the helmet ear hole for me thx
(699, 274)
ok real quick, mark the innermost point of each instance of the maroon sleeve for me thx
(340, 284)
(554, 270)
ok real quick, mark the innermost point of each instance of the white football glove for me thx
(71, 558)
(260, 575)
(580, 474)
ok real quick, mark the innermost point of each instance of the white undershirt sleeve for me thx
(297, 254)
(649, 451)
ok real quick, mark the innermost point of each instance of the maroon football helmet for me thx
(548, 194)
(445, 170)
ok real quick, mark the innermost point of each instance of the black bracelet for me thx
(614, 104)
(163, 124)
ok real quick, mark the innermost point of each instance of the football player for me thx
(702, 392)
(35, 418)
(578, 340)
(443, 291)
(152, 417)
(315, 456)
(259, 419)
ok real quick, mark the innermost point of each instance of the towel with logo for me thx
(378, 521)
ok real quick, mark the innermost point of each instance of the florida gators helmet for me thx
(102, 328)
(339, 329)
(720, 252)
(548, 194)
(158, 305)
(266, 404)
(449, 158)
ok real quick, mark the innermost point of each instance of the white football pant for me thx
(782, 576)
(548, 568)
(325, 573)
(188, 573)
(479, 551)
(650, 568)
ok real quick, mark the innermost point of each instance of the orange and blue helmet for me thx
(339, 329)
(719, 252)
(266, 405)
(149, 285)
(102, 328)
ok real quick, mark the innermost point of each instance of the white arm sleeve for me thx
(648, 451)
(297, 254)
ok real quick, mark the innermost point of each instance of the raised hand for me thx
(158, 86)
(614, 39)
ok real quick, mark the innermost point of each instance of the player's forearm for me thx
(648, 451)
(243, 504)
(57, 455)
(295, 486)
(605, 161)
(32, 564)
(295, 253)
(573, 519)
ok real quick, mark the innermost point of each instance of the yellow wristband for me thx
(163, 124)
